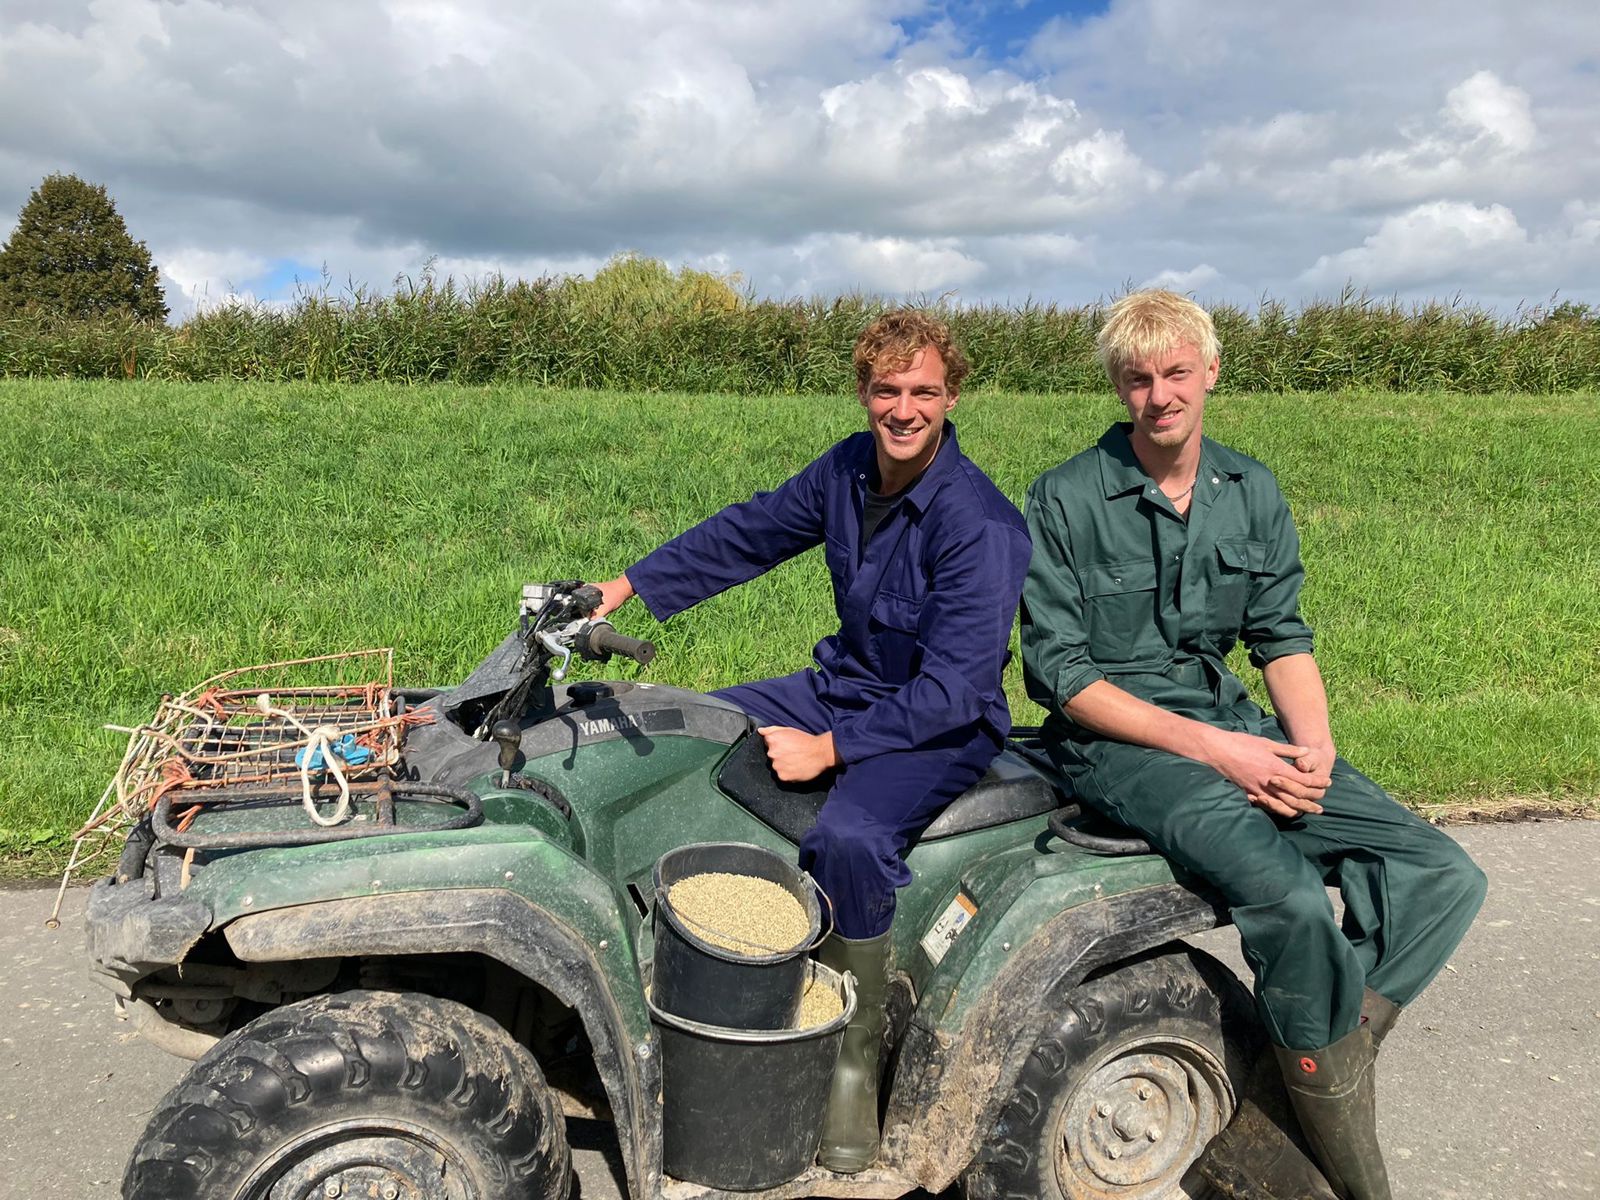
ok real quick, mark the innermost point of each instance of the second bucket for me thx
(703, 982)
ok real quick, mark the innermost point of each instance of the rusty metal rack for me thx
(243, 746)
(311, 732)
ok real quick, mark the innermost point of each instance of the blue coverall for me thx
(910, 685)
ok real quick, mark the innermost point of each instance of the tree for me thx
(634, 286)
(71, 255)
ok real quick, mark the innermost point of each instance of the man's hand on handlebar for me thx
(614, 593)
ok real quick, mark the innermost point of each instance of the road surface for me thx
(1489, 1088)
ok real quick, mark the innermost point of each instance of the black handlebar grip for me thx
(604, 640)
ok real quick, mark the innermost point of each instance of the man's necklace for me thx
(1185, 491)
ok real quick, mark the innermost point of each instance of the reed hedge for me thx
(696, 335)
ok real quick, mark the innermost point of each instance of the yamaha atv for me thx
(406, 995)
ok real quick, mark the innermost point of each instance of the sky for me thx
(981, 150)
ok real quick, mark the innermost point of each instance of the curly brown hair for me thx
(890, 343)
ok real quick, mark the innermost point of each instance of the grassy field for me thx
(151, 534)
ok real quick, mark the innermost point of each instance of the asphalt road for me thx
(1489, 1088)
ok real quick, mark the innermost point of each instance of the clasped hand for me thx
(1284, 780)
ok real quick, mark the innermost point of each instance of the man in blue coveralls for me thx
(905, 705)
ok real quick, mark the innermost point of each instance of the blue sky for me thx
(999, 29)
(988, 151)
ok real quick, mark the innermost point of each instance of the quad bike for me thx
(408, 997)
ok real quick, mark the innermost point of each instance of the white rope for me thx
(318, 739)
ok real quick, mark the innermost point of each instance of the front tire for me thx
(1125, 1087)
(365, 1093)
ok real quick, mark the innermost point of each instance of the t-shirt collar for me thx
(920, 495)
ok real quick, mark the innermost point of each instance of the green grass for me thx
(151, 534)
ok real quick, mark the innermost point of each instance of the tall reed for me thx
(636, 325)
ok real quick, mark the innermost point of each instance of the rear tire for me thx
(363, 1093)
(1125, 1087)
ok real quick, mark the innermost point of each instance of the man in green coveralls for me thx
(1154, 552)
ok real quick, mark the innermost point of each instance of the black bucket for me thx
(715, 986)
(742, 1108)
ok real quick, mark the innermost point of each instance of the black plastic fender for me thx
(128, 936)
(511, 930)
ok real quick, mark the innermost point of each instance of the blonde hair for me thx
(890, 343)
(1151, 322)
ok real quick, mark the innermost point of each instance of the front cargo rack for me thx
(225, 764)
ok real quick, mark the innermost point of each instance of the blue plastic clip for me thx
(348, 753)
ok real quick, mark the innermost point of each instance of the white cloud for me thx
(893, 266)
(964, 153)
(1468, 147)
(816, 145)
(1484, 127)
(1188, 281)
(1583, 220)
(1427, 243)
(963, 269)
(1483, 105)
(1102, 168)
(196, 278)
(1285, 135)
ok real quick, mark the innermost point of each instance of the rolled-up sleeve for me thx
(1272, 625)
(734, 545)
(1056, 664)
(962, 637)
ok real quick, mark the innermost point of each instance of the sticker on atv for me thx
(938, 940)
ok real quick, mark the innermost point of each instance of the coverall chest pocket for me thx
(1121, 602)
(895, 620)
(838, 557)
(1237, 561)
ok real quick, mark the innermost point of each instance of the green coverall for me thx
(1124, 589)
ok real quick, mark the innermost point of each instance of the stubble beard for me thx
(1178, 436)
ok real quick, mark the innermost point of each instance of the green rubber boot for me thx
(850, 1124)
(1332, 1093)
(1261, 1155)
(1378, 1015)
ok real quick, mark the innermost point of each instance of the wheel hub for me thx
(1139, 1119)
(360, 1163)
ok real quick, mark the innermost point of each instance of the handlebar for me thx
(555, 621)
(599, 641)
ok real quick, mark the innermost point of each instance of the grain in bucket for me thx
(733, 925)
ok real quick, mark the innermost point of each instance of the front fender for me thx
(500, 891)
(591, 978)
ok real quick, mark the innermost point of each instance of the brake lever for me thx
(550, 642)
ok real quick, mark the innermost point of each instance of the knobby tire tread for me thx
(436, 1058)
